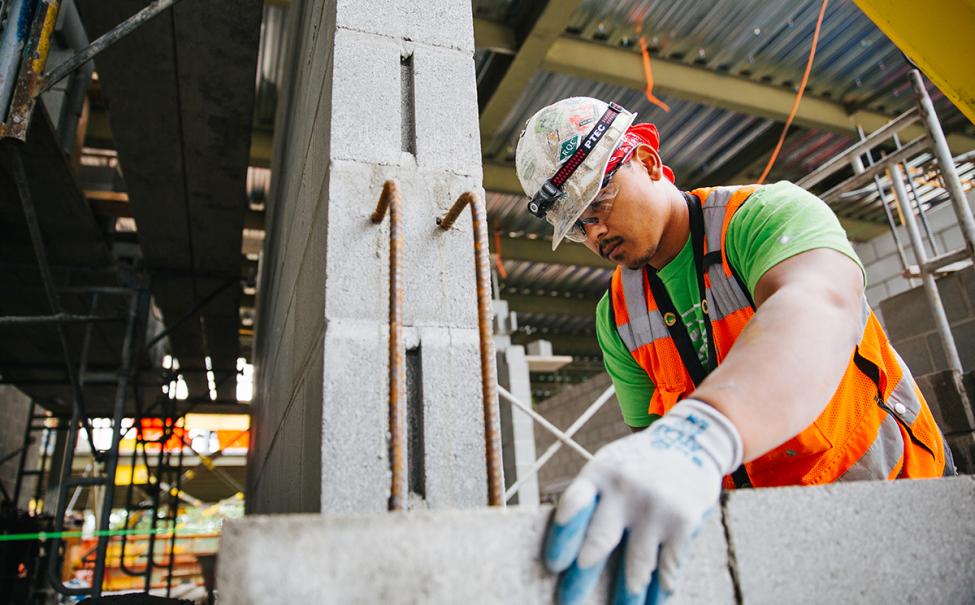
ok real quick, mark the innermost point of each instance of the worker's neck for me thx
(675, 233)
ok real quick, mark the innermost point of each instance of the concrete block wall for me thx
(866, 542)
(14, 409)
(375, 93)
(562, 410)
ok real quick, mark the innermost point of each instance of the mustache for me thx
(607, 244)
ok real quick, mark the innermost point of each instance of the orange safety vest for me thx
(877, 424)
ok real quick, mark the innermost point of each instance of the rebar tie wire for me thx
(492, 437)
(390, 199)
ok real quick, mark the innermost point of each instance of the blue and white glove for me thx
(650, 489)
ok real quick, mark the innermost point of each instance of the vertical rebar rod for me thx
(399, 489)
(489, 384)
(941, 152)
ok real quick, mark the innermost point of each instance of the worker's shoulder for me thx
(783, 192)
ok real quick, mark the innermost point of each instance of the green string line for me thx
(53, 535)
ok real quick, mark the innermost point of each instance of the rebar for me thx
(482, 265)
(390, 200)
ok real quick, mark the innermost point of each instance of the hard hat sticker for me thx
(568, 147)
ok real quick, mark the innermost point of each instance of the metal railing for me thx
(561, 437)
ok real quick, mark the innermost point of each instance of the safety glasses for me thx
(597, 211)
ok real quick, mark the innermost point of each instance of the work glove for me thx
(650, 490)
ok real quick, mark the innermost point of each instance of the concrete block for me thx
(884, 245)
(964, 334)
(915, 353)
(438, 265)
(946, 403)
(479, 556)
(865, 542)
(883, 269)
(456, 475)
(876, 294)
(365, 103)
(866, 251)
(437, 22)
(355, 468)
(908, 314)
(447, 133)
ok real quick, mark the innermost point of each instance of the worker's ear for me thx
(649, 159)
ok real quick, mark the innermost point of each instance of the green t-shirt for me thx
(776, 222)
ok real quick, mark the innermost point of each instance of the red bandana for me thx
(638, 134)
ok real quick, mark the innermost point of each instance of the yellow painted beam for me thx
(501, 178)
(938, 36)
(604, 63)
(494, 36)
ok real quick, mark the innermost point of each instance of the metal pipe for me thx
(931, 291)
(12, 40)
(858, 168)
(104, 41)
(945, 162)
(935, 248)
(15, 167)
(399, 489)
(555, 447)
(74, 101)
(489, 376)
(111, 461)
(866, 143)
(29, 320)
(544, 423)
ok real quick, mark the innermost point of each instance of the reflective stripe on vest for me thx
(875, 426)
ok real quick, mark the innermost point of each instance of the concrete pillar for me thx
(377, 91)
(517, 429)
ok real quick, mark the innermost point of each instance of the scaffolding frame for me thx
(894, 167)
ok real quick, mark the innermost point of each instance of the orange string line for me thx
(497, 255)
(802, 88)
(649, 76)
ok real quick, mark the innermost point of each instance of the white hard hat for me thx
(562, 156)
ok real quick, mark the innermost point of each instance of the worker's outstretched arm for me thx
(787, 363)
(653, 488)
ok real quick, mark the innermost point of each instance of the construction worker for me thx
(735, 328)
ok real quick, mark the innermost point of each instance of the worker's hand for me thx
(650, 489)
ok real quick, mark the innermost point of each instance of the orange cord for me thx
(795, 104)
(497, 255)
(649, 76)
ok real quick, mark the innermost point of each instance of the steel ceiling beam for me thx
(624, 67)
(551, 305)
(540, 251)
(549, 25)
(604, 63)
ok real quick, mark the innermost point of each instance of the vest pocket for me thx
(664, 398)
(812, 441)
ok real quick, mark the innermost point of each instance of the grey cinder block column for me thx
(379, 91)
